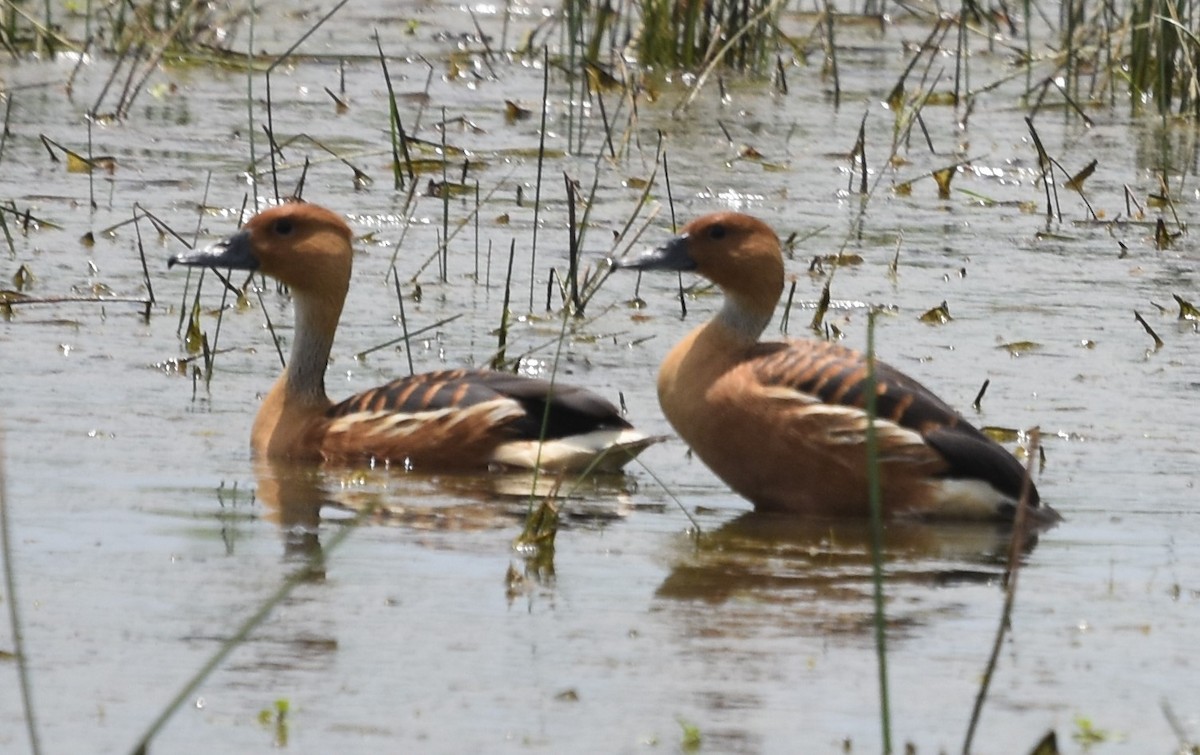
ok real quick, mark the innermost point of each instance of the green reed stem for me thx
(4, 126)
(270, 328)
(541, 162)
(573, 246)
(502, 336)
(403, 322)
(142, 255)
(875, 494)
(1016, 547)
(671, 493)
(14, 614)
(395, 126)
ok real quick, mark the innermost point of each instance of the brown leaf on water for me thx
(514, 112)
(943, 178)
(939, 315)
(77, 163)
(1017, 348)
(424, 165)
(194, 338)
(24, 278)
(1001, 434)
(1187, 310)
(945, 99)
(441, 189)
(1163, 239)
(458, 64)
(843, 258)
(1048, 745)
(8, 297)
(1158, 342)
(340, 105)
(1075, 182)
(822, 308)
(600, 79)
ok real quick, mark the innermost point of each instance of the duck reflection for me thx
(771, 557)
(300, 497)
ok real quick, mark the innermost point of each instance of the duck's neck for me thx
(316, 323)
(742, 320)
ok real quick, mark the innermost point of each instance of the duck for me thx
(456, 419)
(784, 423)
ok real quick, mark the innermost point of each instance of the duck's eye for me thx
(716, 232)
(283, 226)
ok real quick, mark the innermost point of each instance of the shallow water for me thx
(143, 533)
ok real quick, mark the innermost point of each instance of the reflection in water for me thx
(300, 496)
(826, 563)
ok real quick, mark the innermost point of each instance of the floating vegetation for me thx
(1017, 348)
(1158, 342)
(276, 719)
(939, 315)
(1187, 310)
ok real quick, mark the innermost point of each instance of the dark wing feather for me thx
(573, 410)
(837, 375)
(974, 456)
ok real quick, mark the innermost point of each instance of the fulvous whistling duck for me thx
(784, 423)
(454, 419)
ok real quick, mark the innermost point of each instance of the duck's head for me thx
(304, 246)
(739, 253)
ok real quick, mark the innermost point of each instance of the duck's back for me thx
(472, 418)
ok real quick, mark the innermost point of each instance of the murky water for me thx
(144, 534)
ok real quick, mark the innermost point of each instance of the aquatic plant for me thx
(688, 34)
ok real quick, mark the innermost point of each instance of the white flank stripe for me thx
(783, 393)
(966, 499)
(849, 427)
(575, 452)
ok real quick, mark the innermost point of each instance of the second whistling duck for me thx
(454, 419)
(784, 423)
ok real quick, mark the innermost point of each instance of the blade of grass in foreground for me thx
(301, 574)
(14, 616)
(874, 493)
(1015, 548)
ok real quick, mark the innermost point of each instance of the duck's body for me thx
(454, 419)
(785, 423)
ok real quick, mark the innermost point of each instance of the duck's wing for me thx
(479, 417)
(830, 375)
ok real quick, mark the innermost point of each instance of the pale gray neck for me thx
(311, 344)
(745, 323)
